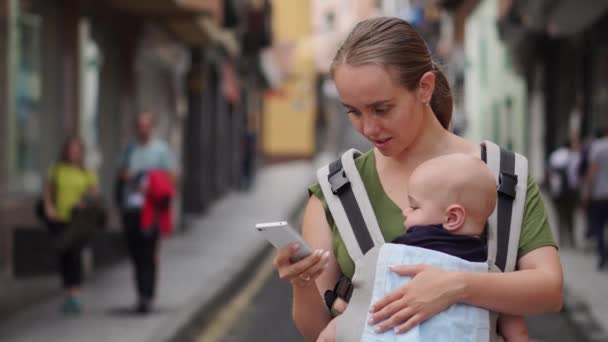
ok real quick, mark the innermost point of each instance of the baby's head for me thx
(457, 191)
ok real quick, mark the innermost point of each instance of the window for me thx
(24, 108)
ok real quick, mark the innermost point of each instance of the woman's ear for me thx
(455, 217)
(426, 86)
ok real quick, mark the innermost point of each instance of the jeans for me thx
(70, 259)
(598, 217)
(143, 250)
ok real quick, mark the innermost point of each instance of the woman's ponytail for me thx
(441, 101)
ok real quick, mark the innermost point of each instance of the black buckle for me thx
(507, 183)
(338, 180)
(343, 289)
(330, 297)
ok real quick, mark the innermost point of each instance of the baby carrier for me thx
(353, 214)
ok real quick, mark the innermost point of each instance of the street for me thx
(261, 311)
(266, 316)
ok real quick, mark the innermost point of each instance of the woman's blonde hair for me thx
(394, 44)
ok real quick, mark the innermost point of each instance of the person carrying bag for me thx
(70, 216)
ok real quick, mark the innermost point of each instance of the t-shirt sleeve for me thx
(122, 162)
(52, 173)
(166, 158)
(536, 231)
(315, 190)
(593, 152)
(91, 179)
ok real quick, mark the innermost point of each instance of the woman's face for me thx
(74, 152)
(387, 114)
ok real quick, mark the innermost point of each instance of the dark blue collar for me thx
(436, 238)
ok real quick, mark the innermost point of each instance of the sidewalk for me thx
(585, 293)
(197, 268)
(585, 288)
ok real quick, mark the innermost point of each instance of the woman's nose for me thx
(370, 127)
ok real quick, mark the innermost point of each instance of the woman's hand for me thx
(301, 273)
(51, 213)
(431, 291)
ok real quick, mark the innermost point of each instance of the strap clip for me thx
(507, 183)
(341, 293)
(338, 181)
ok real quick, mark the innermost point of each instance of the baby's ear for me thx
(455, 216)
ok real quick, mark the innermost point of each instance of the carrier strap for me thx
(504, 225)
(351, 209)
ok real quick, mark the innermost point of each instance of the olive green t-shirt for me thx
(535, 233)
(70, 183)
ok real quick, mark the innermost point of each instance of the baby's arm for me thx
(513, 328)
(329, 333)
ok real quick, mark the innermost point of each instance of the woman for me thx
(68, 185)
(400, 101)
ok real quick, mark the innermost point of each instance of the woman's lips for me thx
(381, 143)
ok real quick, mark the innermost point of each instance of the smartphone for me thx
(281, 234)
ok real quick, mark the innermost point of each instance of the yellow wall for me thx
(289, 112)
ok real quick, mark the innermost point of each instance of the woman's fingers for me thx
(410, 323)
(308, 267)
(283, 255)
(303, 269)
(388, 311)
(408, 270)
(398, 318)
(386, 300)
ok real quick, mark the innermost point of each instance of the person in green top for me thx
(66, 188)
(400, 100)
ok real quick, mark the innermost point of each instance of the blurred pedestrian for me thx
(596, 192)
(146, 174)
(564, 187)
(68, 186)
(582, 169)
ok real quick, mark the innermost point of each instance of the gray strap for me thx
(349, 205)
(518, 210)
(358, 188)
(339, 215)
(352, 322)
(506, 191)
(493, 162)
(503, 242)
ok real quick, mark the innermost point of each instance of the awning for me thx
(167, 8)
(188, 30)
(558, 17)
(571, 17)
(195, 22)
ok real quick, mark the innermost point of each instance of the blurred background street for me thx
(242, 99)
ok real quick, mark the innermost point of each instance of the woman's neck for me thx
(432, 141)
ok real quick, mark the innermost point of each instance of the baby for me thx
(450, 200)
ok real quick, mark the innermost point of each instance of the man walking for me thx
(596, 192)
(148, 155)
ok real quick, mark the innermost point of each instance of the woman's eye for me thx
(380, 110)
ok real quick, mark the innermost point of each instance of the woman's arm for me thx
(309, 311)
(536, 287)
(47, 198)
